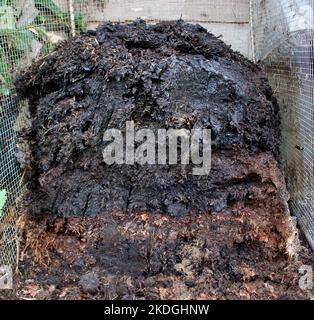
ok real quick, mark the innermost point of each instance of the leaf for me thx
(26, 12)
(3, 199)
(7, 18)
(5, 79)
(49, 7)
(80, 25)
(5, 91)
(4, 67)
(23, 39)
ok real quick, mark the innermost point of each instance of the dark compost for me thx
(146, 231)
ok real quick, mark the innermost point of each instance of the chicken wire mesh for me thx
(31, 28)
(28, 29)
(283, 41)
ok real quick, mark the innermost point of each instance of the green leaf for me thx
(5, 79)
(23, 40)
(4, 90)
(3, 199)
(80, 24)
(48, 47)
(4, 67)
(41, 19)
(49, 7)
(4, 64)
(7, 18)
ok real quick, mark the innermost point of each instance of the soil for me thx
(90, 230)
(239, 254)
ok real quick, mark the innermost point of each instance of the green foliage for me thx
(50, 8)
(7, 2)
(80, 25)
(16, 40)
(7, 18)
(3, 199)
(52, 16)
(4, 74)
(14, 43)
(23, 39)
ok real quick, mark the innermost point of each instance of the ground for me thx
(145, 256)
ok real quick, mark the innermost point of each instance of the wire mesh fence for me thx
(282, 39)
(283, 36)
(28, 29)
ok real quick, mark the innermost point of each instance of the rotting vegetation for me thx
(153, 232)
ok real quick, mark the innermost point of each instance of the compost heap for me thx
(153, 231)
